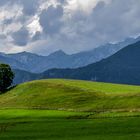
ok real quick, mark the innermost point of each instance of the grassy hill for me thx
(72, 95)
(70, 110)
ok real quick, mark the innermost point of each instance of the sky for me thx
(44, 26)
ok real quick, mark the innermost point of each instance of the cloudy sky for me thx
(43, 26)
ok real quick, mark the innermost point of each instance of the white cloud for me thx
(34, 26)
(84, 5)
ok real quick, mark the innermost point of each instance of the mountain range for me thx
(122, 67)
(37, 64)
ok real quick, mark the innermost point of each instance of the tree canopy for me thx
(6, 77)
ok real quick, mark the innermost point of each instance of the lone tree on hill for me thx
(6, 77)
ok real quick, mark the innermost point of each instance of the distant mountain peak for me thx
(24, 53)
(58, 53)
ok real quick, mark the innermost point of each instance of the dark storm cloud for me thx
(115, 21)
(21, 37)
(107, 22)
(69, 25)
(63, 1)
(7, 21)
(30, 6)
(37, 36)
(3, 2)
(50, 19)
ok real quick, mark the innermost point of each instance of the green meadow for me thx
(70, 110)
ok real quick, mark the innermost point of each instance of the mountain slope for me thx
(14, 63)
(122, 67)
(24, 76)
(72, 95)
(37, 64)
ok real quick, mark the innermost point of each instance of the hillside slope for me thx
(122, 67)
(72, 95)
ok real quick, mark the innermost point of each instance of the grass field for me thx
(70, 110)
(63, 125)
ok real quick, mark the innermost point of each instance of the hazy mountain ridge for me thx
(35, 63)
(24, 76)
(122, 67)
